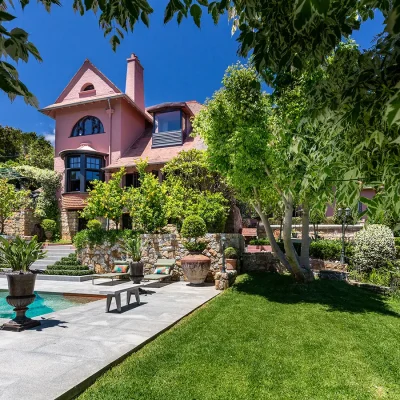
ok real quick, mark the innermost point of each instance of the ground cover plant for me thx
(269, 338)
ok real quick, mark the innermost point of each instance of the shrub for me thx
(230, 252)
(49, 225)
(88, 237)
(195, 247)
(94, 224)
(373, 247)
(193, 227)
(259, 242)
(68, 266)
(326, 249)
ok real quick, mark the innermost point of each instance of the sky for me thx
(180, 62)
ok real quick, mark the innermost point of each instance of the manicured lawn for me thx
(268, 338)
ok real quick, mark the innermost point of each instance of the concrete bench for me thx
(117, 295)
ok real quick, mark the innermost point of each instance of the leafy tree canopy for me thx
(25, 148)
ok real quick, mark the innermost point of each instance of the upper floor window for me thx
(87, 126)
(168, 122)
(88, 87)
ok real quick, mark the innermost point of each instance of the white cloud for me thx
(51, 137)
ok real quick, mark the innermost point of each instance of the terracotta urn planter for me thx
(21, 295)
(136, 271)
(48, 234)
(231, 264)
(195, 267)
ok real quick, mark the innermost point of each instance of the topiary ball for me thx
(193, 227)
(94, 224)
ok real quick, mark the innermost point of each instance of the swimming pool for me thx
(44, 303)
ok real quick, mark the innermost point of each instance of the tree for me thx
(194, 189)
(25, 148)
(147, 203)
(11, 201)
(252, 146)
(106, 199)
(282, 35)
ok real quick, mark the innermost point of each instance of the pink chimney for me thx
(134, 81)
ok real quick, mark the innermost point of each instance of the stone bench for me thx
(117, 295)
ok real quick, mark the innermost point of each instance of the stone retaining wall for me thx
(22, 223)
(259, 262)
(101, 257)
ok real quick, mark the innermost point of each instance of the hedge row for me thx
(69, 272)
(67, 267)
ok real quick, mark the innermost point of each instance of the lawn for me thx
(268, 338)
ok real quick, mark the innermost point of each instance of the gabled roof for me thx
(85, 66)
(104, 90)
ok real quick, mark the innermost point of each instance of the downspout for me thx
(110, 112)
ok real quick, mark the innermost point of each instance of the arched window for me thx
(88, 87)
(87, 126)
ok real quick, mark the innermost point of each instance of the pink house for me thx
(99, 129)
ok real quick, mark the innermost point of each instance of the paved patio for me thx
(74, 346)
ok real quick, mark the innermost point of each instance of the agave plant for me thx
(19, 254)
(132, 246)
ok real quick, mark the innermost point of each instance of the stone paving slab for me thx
(72, 347)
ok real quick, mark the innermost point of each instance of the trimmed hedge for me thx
(69, 266)
(260, 242)
(329, 249)
(69, 273)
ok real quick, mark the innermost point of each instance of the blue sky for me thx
(181, 62)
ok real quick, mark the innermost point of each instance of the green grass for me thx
(268, 338)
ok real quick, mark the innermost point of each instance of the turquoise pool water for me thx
(44, 303)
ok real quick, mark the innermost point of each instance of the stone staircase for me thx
(55, 252)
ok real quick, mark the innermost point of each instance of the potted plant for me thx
(132, 247)
(294, 234)
(195, 265)
(49, 226)
(230, 258)
(19, 255)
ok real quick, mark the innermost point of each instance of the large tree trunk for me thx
(278, 253)
(299, 273)
(2, 223)
(305, 238)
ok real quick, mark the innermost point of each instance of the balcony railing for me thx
(165, 139)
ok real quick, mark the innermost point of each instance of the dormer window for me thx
(87, 126)
(168, 122)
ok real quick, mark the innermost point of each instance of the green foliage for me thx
(68, 266)
(94, 224)
(193, 188)
(49, 182)
(259, 242)
(329, 249)
(373, 247)
(106, 199)
(352, 219)
(147, 203)
(11, 200)
(195, 247)
(193, 227)
(19, 254)
(22, 148)
(131, 246)
(91, 237)
(231, 252)
(49, 225)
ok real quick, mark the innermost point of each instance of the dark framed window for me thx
(168, 121)
(88, 125)
(132, 180)
(81, 171)
(155, 173)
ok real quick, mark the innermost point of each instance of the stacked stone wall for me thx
(22, 223)
(101, 258)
